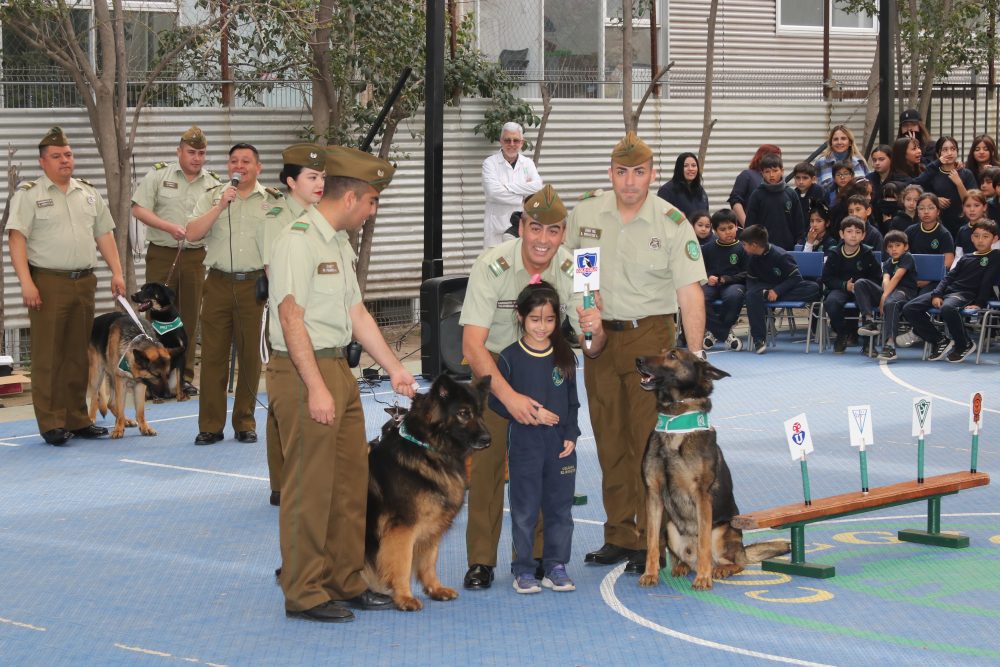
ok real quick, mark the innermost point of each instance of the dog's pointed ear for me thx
(713, 373)
(443, 386)
(482, 385)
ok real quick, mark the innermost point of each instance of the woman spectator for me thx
(685, 190)
(948, 182)
(906, 163)
(840, 147)
(911, 125)
(881, 164)
(747, 182)
(982, 154)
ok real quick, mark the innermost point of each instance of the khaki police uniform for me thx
(642, 264)
(167, 192)
(496, 279)
(229, 310)
(60, 229)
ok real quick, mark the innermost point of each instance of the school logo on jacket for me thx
(984, 261)
(935, 244)
(777, 270)
(734, 259)
(557, 376)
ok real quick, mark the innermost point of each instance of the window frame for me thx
(782, 29)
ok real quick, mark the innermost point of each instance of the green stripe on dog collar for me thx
(123, 365)
(166, 327)
(406, 436)
(682, 423)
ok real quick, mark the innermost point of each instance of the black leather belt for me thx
(628, 325)
(239, 276)
(72, 274)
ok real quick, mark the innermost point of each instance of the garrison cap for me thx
(631, 151)
(545, 206)
(195, 138)
(55, 137)
(312, 156)
(352, 163)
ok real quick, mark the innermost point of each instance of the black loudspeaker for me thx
(440, 334)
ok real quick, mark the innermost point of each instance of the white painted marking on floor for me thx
(162, 654)
(884, 367)
(201, 470)
(608, 593)
(17, 624)
(9, 444)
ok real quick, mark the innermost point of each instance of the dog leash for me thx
(170, 273)
(131, 313)
(265, 354)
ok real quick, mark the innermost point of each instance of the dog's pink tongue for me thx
(144, 306)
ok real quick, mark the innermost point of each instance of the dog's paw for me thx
(680, 570)
(723, 571)
(442, 594)
(118, 432)
(147, 430)
(131, 423)
(648, 580)
(408, 603)
(702, 582)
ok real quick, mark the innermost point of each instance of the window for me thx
(808, 15)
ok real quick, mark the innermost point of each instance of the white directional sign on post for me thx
(799, 437)
(921, 416)
(859, 422)
(976, 412)
(586, 269)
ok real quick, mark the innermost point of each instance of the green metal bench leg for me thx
(933, 535)
(798, 565)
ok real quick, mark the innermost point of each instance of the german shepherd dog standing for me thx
(158, 300)
(127, 357)
(686, 475)
(417, 485)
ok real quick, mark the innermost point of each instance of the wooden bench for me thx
(798, 515)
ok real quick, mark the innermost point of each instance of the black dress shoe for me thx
(478, 576)
(369, 601)
(328, 612)
(637, 562)
(207, 438)
(57, 436)
(246, 436)
(190, 389)
(276, 498)
(90, 432)
(609, 554)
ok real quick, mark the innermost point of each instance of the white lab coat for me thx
(505, 188)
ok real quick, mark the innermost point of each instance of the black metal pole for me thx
(433, 265)
(887, 88)
(393, 96)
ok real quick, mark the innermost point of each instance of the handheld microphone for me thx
(236, 179)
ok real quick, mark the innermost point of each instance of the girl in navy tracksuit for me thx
(541, 457)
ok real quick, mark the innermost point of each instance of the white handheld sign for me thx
(976, 412)
(799, 437)
(859, 423)
(921, 416)
(586, 269)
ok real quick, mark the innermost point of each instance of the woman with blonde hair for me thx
(840, 147)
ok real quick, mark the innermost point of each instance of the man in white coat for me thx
(508, 177)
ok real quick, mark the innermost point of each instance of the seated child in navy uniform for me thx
(906, 216)
(702, 224)
(929, 236)
(974, 207)
(989, 181)
(970, 285)
(818, 237)
(845, 264)
(726, 267)
(860, 207)
(772, 275)
(899, 285)
(541, 457)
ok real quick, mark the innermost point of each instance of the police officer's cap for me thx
(631, 151)
(352, 163)
(545, 206)
(305, 155)
(54, 137)
(195, 138)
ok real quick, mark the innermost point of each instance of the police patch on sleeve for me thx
(692, 250)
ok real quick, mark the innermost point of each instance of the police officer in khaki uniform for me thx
(53, 224)
(489, 325)
(231, 218)
(163, 202)
(302, 172)
(650, 264)
(316, 308)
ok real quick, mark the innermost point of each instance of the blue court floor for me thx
(151, 551)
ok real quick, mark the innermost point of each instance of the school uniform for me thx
(901, 222)
(814, 193)
(840, 268)
(867, 293)
(728, 261)
(539, 479)
(937, 181)
(776, 207)
(774, 269)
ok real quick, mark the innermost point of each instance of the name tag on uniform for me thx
(170, 184)
(509, 304)
(590, 233)
(327, 268)
(43, 203)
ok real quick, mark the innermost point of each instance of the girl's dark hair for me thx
(899, 163)
(539, 294)
(820, 209)
(291, 171)
(932, 198)
(890, 190)
(991, 146)
(678, 178)
(942, 141)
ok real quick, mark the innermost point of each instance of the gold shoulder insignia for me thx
(674, 215)
(27, 185)
(160, 165)
(593, 193)
(499, 266)
(567, 267)
(274, 192)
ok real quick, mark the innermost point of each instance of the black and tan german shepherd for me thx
(417, 485)
(686, 475)
(123, 356)
(158, 300)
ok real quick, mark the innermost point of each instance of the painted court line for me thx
(162, 654)
(884, 366)
(201, 470)
(16, 624)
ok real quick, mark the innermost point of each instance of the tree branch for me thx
(649, 91)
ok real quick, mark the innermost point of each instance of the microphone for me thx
(236, 179)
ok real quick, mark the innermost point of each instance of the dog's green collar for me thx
(682, 423)
(406, 436)
(167, 327)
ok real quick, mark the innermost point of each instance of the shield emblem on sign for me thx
(586, 263)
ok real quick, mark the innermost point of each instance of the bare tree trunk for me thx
(546, 110)
(324, 96)
(707, 123)
(914, 55)
(630, 124)
(12, 178)
(874, 98)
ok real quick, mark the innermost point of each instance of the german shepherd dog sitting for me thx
(158, 300)
(686, 475)
(125, 356)
(417, 485)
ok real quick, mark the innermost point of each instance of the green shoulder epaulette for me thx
(274, 192)
(674, 214)
(160, 165)
(593, 193)
(27, 185)
(499, 266)
(567, 267)
(300, 225)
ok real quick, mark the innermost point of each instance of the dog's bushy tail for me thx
(759, 551)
